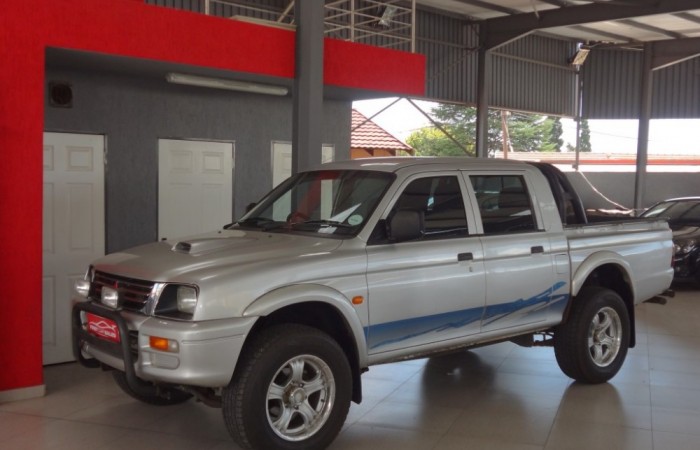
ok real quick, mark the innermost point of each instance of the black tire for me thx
(291, 372)
(149, 393)
(592, 344)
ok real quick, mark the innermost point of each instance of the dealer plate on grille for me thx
(103, 328)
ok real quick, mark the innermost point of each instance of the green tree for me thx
(460, 122)
(528, 132)
(430, 141)
(556, 133)
(585, 143)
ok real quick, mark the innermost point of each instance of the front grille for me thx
(133, 294)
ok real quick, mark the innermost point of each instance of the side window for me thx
(504, 203)
(440, 200)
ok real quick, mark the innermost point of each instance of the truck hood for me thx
(174, 260)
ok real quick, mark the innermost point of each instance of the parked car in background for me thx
(684, 219)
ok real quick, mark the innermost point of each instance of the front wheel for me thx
(291, 390)
(591, 345)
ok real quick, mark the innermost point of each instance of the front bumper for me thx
(206, 356)
(686, 266)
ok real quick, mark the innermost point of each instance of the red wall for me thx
(125, 28)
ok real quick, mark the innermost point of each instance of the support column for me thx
(308, 86)
(483, 86)
(643, 132)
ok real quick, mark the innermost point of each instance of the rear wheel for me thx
(150, 393)
(291, 390)
(592, 344)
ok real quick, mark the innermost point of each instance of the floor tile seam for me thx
(621, 425)
(499, 438)
(123, 437)
(676, 411)
(119, 427)
(396, 428)
(678, 371)
(657, 335)
(374, 423)
(12, 436)
(674, 433)
(72, 417)
(31, 414)
(381, 400)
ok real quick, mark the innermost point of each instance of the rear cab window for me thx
(504, 203)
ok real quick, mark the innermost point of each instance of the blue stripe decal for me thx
(532, 305)
(401, 330)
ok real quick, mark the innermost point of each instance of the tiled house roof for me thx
(374, 140)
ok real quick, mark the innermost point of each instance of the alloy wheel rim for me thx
(605, 336)
(300, 397)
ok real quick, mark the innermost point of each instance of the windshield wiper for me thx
(260, 222)
(323, 223)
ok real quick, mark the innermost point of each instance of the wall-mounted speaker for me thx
(60, 94)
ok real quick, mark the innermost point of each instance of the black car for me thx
(684, 219)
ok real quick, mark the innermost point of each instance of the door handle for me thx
(537, 249)
(465, 257)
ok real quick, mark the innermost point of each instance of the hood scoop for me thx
(203, 246)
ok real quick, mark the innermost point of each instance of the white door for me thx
(195, 187)
(282, 160)
(73, 230)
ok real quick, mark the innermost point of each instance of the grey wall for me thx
(612, 85)
(133, 112)
(619, 187)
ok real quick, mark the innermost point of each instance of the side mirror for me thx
(405, 225)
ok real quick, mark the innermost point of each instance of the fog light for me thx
(163, 344)
(110, 297)
(82, 288)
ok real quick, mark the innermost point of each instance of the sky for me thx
(666, 136)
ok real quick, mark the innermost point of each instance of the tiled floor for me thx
(496, 398)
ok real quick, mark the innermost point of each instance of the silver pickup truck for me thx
(275, 317)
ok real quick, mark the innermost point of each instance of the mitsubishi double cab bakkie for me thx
(275, 317)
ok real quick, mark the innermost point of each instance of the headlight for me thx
(186, 299)
(684, 247)
(82, 288)
(177, 301)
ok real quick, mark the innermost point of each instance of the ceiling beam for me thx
(559, 3)
(491, 6)
(501, 30)
(688, 16)
(592, 30)
(673, 51)
(643, 26)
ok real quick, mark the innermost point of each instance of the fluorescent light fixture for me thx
(221, 83)
(580, 56)
(388, 15)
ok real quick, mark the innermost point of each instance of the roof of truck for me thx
(394, 164)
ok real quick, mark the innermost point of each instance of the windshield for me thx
(685, 211)
(329, 202)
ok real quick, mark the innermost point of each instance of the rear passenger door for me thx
(520, 279)
(429, 289)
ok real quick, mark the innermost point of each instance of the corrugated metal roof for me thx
(645, 27)
(368, 135)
